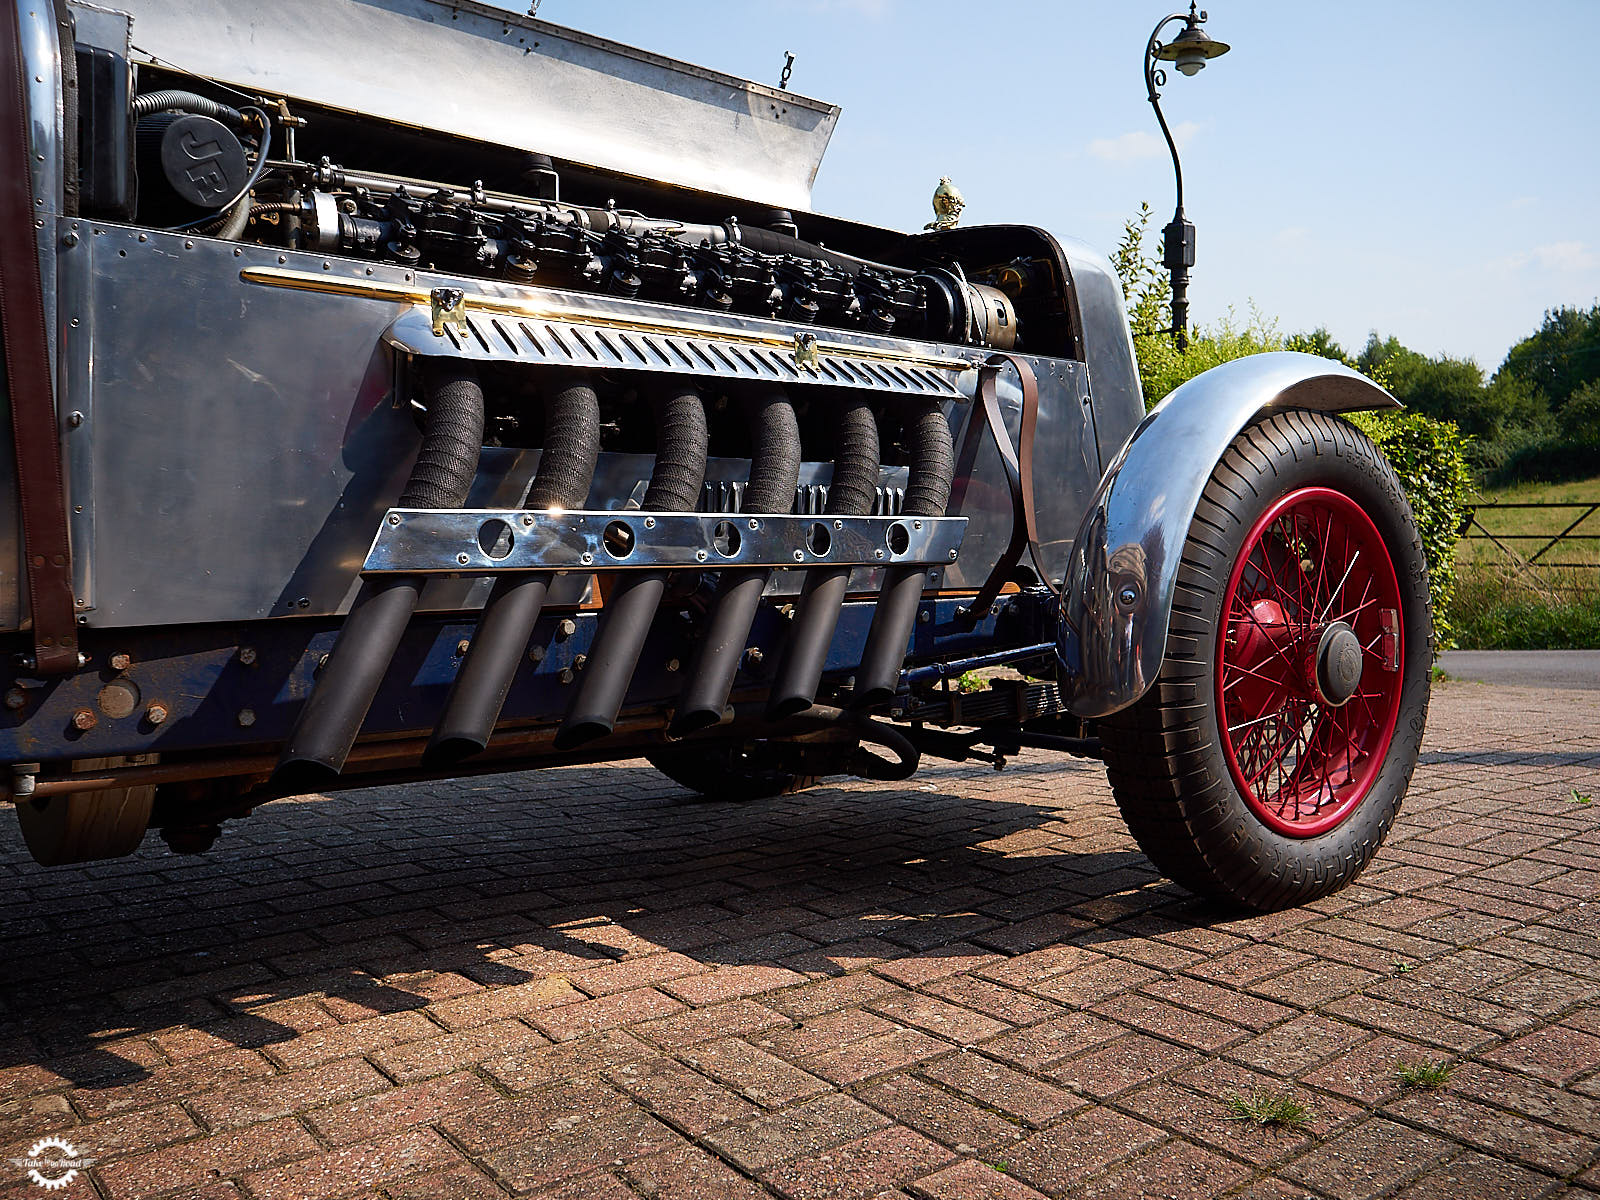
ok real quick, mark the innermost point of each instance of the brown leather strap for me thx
(1018, 464)
(34, 426)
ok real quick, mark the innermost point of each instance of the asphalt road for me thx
(1577, 670)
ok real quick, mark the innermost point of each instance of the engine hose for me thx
(853, 492)
(446, 464)
(566, 469)
(675, 481)
(933, 462)
(153, 102)
(774, 472)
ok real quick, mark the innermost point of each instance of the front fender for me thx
(1117, 597)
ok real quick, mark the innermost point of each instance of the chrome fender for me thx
(1111, 634)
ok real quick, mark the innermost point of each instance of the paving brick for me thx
(1171, 1022)
(958, 1122)
(868, 1166)
(352, 1168)
(826, 995)
(1174, 1171)
(1502, 1133)
(1557, 1053)
(821, 1034)
(1297, 1045)
(637, 972)
(876, 1055)
(1051, 1041)
(754, 1073)
(205, 1159)
(1473, 1176)
(549, 1110)
(689, 1173)
(192, 1076)
(400, 1108)
(971, 1180)
(446, 1052)
(996, 1086)
(552, 1064)
(244, 1102)
(1226, 1004)
(608, 1012)
(731, 983)
(801, 1130)
(497, 1004)
(1368, 1158)
(459, 1182)
(579, 1149)
(1057, 1158)
(356, 1037)
(949, 1021)
(682, 1097)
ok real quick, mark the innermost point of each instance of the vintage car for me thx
(406, 389)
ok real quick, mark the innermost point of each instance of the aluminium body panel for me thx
(498, 76)
(247, 440)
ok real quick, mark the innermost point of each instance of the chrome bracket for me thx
(487, 541)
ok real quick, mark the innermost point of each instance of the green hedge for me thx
(1430, 458)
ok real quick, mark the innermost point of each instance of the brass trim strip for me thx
(370, 289)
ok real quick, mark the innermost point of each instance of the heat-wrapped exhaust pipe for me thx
(774, 472)
(852, 493)
(675, 482)
(566, 469)
(933, 463)
(452, 436)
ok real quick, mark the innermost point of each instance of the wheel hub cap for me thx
(1338, 664)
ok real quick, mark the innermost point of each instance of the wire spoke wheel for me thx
(1308, 665)
(1268, 760)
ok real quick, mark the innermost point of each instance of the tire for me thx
(1240, 773)
(725, 773)
(83, 827)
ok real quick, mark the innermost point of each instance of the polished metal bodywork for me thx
(497, 76)
(239, 444)
(487, 541)
(1124, 566)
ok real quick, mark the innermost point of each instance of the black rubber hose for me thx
(446, 464)
(770, 241)
(675, 481)
(153, 102)
(853, 492)
(933, 463)
(566, 469)
(774, 472)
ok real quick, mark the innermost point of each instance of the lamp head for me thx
(1191, 49)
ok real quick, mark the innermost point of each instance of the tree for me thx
(1558, 359)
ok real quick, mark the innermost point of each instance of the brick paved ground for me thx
(570, 984)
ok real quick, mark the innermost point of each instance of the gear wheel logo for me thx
(53, 1171)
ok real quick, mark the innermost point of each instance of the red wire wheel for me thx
(1308, 672)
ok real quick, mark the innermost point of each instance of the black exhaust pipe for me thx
(452, 435)
(852, 493)
(675, 481)
(933, 462)
(774, 472)
(566, 469)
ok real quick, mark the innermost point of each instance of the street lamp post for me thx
(1189, 52)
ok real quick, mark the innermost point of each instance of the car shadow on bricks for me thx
(325, 927)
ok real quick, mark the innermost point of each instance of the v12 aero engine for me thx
(366, 433)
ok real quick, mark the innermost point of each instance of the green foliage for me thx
(1429, 1075)
(1493, 612)
(1452, 389)
(1429, 456)
(1560, 357)
(1269, 1110)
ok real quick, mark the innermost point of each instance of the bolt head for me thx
(120, 661)
(952, 556)
(16, 699)
(527, 520)
(462, 647)
(877, 554)
(247, 655)
(673, 664)
(699, 556)
(586, 558)
(799, 556)
(566, 675)
(568, 627)
(394, 518)
(536, 654)
(84, 720)
(247, 717)
(1127, 597)
(649, 522)
(463, 558)
(754, 524)
(156, 714)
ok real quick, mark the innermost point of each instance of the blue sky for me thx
(1422, 168)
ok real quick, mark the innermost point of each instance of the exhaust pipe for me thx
(774, 472)
(927, 494)
(675, 481)
(852, 493)
(566, 469)
(327, 726)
